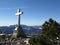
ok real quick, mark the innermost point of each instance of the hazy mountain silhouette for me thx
(29, 30)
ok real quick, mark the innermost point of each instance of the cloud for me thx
(6, 23)
(16, 7)
(10, 8)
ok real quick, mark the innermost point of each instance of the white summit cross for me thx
(16, 29)
(18, 14)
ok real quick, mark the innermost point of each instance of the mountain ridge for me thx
(29, 30)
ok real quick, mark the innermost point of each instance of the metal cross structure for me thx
(18, 14)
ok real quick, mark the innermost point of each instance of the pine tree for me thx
(51, 29)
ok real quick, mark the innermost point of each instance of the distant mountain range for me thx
(29, 30)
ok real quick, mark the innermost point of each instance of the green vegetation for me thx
(51, 30)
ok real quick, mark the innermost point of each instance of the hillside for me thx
(29, 30)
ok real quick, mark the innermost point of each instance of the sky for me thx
(35, 12)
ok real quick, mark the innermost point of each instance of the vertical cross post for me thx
(18, 14)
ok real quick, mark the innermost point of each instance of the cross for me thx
(18, 14)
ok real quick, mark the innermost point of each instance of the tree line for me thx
(50, 31)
